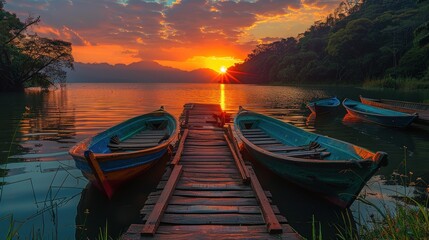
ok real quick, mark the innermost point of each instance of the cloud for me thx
(167, 30)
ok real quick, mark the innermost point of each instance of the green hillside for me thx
(386, 40)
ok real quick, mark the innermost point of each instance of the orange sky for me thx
(185, 34)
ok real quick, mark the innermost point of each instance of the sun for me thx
(223, 69)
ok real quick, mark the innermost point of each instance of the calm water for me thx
(47, 196)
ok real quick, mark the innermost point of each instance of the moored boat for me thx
(421, 109)
(378, 115)
(324, 106)
(122, 152)
(334, 169)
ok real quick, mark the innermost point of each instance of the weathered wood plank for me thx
(179, 151)
(217, 163)
(218, 229)
(211, 175)
(153, 219)
(204, 179)
(206, 143)
(209, 236)
(208, 157)
(211, 232)
(216, 193)
(271, 220)
(189, 185)
(243, 173)
(227, 201)
(225, 166)
(209, 170)
(200, 209)
(222, 218)
(205, 153)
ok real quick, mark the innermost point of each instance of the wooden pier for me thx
(208, 192)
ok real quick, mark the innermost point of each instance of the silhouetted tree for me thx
(27, 59)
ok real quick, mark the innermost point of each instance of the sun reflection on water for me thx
(222, 96)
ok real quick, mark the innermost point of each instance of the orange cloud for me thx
(185, 34)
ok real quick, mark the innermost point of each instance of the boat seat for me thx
(307, 154)
(310, 146)
(265, 142)
(133, 144)
(130, 147)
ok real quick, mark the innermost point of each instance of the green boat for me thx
(334, 169)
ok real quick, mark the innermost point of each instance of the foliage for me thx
(361, 40)
(397, 83)
(28, 60)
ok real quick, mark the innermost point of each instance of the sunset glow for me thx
(181, 34)
(223, 69)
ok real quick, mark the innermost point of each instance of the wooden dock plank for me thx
(180, 148)
(273, 224)
(238, 161)
(208, 199)
(221, 218)
(204, 186)
(202, 209)
(226, 201)
(154, 217)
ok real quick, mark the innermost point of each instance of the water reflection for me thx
(222, 96)
(94, 210)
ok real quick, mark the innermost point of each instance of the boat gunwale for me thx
(336, 103)
(403, 115)
(77, 151)
(392, 105)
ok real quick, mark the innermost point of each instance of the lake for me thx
(47, 197)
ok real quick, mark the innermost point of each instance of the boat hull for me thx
(378, 115)
(120, 171)
(406, 107)
(324, 106)
(340, 184)
(125, 151)
(338, 178)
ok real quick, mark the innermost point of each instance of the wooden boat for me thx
(378, 115)
(324, 106)
(332, 168)
(124, 151)
(421, 109)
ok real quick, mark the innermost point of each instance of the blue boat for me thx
(334, 169)
(422, 109)
(121, 153)
(324, 106)
(378, 115)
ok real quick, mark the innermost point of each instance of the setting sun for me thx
(223, 69)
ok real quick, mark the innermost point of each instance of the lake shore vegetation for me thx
(371, 43)
(28, 60)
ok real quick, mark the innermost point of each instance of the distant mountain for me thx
(145, 71)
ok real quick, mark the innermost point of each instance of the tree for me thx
(29, 60)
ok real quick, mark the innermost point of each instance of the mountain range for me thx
(145, 71)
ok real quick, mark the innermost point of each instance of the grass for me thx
(397, 84)
(409, 219)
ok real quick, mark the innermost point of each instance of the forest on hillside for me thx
(361, 40)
